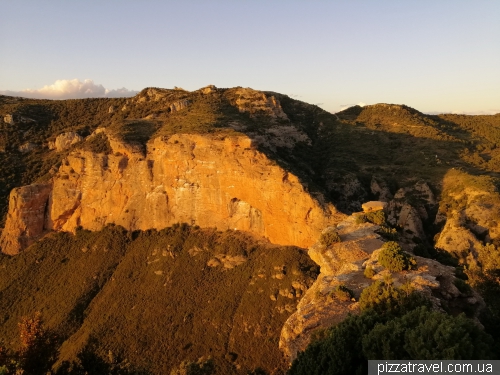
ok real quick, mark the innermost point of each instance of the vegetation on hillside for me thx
(393, 324)
(151, 299)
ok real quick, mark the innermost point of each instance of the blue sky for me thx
(435, 56)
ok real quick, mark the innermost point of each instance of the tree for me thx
(38, 349)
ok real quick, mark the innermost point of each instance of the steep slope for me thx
(157, 298)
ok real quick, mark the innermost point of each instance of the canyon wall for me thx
(206, 180)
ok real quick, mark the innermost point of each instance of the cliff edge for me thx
(207, 180)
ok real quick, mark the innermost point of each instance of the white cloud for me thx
(71, 89)
(345, 106)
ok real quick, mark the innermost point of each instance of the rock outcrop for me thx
(457, 239)
(208, 89)
(343, 264)
(410, 207)
(211, 181)
(410, 221)
(348, 190)
(9, 119)
(373, 206)
(179, 105)
(27, 147)
(25, 220)
(257, 103)
(379, 188)
(15, 119)
(469, 209)
(64, 141)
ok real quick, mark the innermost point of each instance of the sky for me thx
(435, 56)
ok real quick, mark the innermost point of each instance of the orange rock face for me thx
(210, 181)
(25, 219)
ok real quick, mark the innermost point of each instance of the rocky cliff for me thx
(343, 264)
(25, 219)
(206, 180)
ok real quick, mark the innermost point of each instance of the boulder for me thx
(9, 119)
(373, 206)
(65, 140)
(27, 147)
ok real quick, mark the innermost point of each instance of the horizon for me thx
(434, 57)
(134, 93)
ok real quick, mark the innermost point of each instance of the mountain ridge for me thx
(242, 169)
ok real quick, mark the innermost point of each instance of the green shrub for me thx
(414, 333)
(394, 258)
(422, 251)
(361, 219)
(379, 294)
(329, 238)
(427, 335)
(369, 272)
(98, 144)
(388, 233)
(340, 352)
(382, 296)
(376, 217)
(341, 293)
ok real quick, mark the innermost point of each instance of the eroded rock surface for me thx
(25, 220)
(257, 103)
(343, 264)
(64, 141)
(210, 181)
(410, 207)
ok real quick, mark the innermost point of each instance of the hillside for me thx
(185, 292)
(93, 193)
